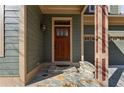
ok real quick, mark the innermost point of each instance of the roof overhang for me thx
(61, 9)
(112, 19)
(78, 9)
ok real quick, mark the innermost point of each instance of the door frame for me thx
(53, 55)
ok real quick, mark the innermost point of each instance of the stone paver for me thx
(83, 76)
(55, 76)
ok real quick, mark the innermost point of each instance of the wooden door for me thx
(62, 43)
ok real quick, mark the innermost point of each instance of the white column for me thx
(23, 44)
(82, 36)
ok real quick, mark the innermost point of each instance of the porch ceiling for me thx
(112, 19)
(61, 9)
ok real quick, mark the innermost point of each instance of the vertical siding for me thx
(75, 36)
(34, 38)
(9, 65)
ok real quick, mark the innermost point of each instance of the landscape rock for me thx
(87, 66)
(87, 70)
(90, 83)
(70, 70)
(71, 76)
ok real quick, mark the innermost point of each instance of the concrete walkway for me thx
(116, 76)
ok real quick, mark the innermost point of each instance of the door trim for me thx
(61, 18)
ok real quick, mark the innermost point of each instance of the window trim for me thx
(1, 30)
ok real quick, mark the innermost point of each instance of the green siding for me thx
(47, 39)
(34, 38)
(40, 43)
(89, 45)
(89, 29)
(75, 36)
(115, 28)
(116, 48)
(89, 51)
(9, 65)
(116, 52)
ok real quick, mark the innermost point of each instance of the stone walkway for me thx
(116, 76)
(70, 76)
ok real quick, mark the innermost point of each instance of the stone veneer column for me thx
(101, 43)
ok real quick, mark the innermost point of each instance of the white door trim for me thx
(61, 18)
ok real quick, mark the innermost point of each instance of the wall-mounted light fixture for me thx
(43, 27)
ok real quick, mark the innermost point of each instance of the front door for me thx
(62, 43)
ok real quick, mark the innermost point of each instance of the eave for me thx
(113, 19)
(61, 9)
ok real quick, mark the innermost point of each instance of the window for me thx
(118, 38)
(116, 9)
(121, 7)
(1, 31)
(91, 8)
(62, 22)
(89, 37)
(113, 9)
(62, 31)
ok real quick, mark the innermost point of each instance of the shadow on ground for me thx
(113, 80)
(48, 72)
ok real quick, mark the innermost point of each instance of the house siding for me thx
(34, 38)
(89, 45)
(116, 49)
(9, 64)
(39, 43)
(76, 39)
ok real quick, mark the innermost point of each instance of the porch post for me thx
(23, 44)
(82, 37)
(101, 44)
(82, 32)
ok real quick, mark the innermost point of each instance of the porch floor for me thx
(58, 76)
(54, 76)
